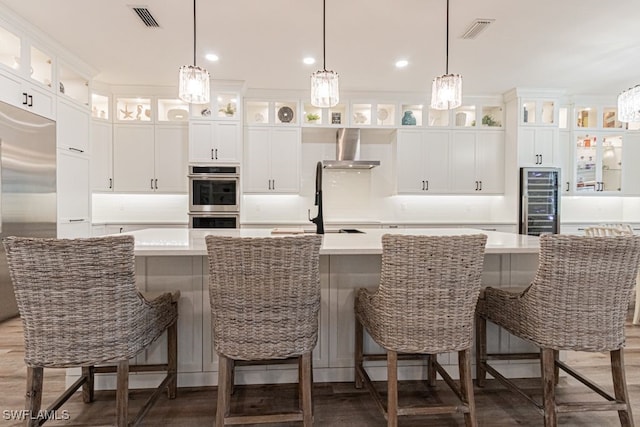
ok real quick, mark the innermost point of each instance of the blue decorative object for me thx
(408, 119)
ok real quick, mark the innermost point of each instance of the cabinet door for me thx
(436, 161)
(226, 146)
(490, 162)
(101, 156)
(410, 162)
(171, 147)
(537, 147)
(285, 160)
(73, 197)
(257, 171)
(631, 175)
(567, 176)
(463, 163)
(201, 138)
(40, 101)
(11, 89)
(72, 127)
(133, 158)
(74, 229)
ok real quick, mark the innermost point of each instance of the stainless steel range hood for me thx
(348, 152)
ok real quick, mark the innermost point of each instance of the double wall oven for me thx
(214, 196)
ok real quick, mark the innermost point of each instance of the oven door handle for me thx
(205, 177)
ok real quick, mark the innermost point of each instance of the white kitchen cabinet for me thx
(73, 196)
(101, 156)
(631, 175)
(72, 127)
(214, 142)
(422, 161)
(28, 96)
(477, 162)
(567, 176)
(272, 160)
(598, 157)
(170, 153)
(538, 147)
(148, 158)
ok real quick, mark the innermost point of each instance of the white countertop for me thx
(187, 242)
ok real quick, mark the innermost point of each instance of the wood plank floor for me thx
(336, 404)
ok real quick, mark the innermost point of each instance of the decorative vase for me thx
(408, 119)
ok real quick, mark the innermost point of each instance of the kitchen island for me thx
(168, 259)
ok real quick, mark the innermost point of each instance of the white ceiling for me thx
(583, 46)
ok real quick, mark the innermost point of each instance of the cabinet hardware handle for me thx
(110, 183)
(156, 185)
(480, 185)
(76, 220)
(567, 185)
(152, 183)
(422, 185)
(121, 229)
(427, 185)
(273, 184)
(269, 182)
(77, 150)
(30, 104)
(212, 158)
(541, 162)
(476, 185)
(536, 159)
(216, 154)
(25, 98)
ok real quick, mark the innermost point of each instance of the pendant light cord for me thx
(194, 33)
(324, 29)
(447, 64)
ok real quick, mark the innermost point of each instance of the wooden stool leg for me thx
(122, 394)
(392, 388)
(431, 369)
(172, 357)
(88, 387)
(223, 390)
(556, 368)
(547, 367)
(620, 387)
(466, 387)
(358, 353)
(34, 395)
(306, 387)
(481, 350)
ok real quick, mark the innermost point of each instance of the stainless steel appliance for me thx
(539, 209)
(214, 189)
(214, 196)
(28, 186)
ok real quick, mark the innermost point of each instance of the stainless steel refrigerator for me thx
(539, 208)
(28, 186)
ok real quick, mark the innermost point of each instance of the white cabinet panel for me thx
(214, 142)
(73, 127)
(73, 187)
(537, 146)
(463, 163)
(30, 97)
(477, 162)
(171, 147)
(74, 229)
(272, 160)
(631, 175)
(133, 158)
(101, 156)
(567, 175)
(422, 162)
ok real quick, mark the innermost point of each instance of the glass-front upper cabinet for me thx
(271, 112)
(538, 112)
(172, 110)
(438, 118)
(99, 106)
(411, 115)
(10, 49)
(41, 66)
(73, 85)
(133, 109)
(465, 116)
(598, 163)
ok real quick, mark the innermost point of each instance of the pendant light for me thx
(446, 90)
(629, 105)
(324, 83)
(194, 81)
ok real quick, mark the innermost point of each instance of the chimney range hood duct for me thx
(348, 152)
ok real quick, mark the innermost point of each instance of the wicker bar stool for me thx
(423, 306)
(80, 308)
(265, 299)
(577, 301)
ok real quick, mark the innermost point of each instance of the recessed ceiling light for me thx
(402, 63)
(211, 57)
(309, 60)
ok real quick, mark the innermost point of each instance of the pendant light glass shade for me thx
(629, 105)
(325, 92)
(193, 84)
(446, 92)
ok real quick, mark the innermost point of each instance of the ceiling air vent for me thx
(476, 27)
(146, 16)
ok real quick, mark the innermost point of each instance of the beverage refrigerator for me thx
(539, 207)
